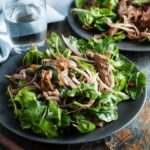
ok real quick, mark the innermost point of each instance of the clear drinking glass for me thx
(26, 22)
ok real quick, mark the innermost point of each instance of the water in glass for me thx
(26, 23)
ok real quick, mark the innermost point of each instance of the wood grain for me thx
(9, 144)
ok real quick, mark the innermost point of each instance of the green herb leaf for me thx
(54, 113)
(80, 3)
(48, 128)
(55, 41)
(33, 56)
(140, 2)
(95, 17)
(24, 96)
(139, 81)
(83, 90)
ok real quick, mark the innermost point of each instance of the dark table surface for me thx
(135, 136)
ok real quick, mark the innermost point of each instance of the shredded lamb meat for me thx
(46, 80)
(136, 21)
(144, 21)
(104, 69)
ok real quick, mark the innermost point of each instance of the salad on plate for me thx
(128, 19)
(73, 85)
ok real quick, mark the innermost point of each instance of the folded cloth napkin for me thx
(56, 11)
(4, 50)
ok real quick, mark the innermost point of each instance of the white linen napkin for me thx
(57, 10)
(4, 50)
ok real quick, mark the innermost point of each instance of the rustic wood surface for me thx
(135, 136)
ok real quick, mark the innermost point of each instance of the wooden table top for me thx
(135, 136)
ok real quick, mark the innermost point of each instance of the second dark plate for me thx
(125, 45)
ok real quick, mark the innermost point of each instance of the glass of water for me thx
(26, 22)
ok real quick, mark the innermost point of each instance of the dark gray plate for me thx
(127, 112)
(125, 45)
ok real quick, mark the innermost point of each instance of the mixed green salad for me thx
(128, 18)
(73, 87)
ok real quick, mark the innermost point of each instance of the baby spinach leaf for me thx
(85, 126)
(84, 115)
(107, 115)
(111, 4)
